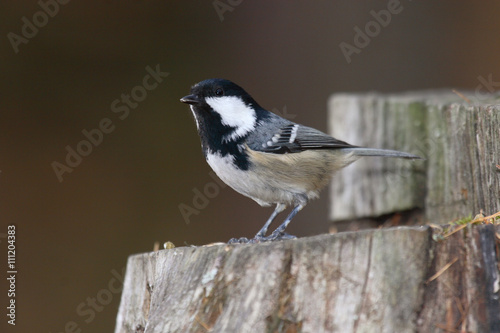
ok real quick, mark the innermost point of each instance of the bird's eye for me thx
(219, 92)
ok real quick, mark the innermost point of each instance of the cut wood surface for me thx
(387, 280)
(461, 144)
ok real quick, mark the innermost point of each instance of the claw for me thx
(242, 240)
(285, 236)
(279, 236)
(275, 236)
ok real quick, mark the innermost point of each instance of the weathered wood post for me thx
(460, 141)
(406, 279)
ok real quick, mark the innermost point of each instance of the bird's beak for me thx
(190, 99)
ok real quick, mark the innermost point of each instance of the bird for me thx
(265, 157)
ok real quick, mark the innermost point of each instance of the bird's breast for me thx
(241, 180)
(278, 178)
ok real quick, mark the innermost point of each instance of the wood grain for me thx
(461, 144)
(369, 281)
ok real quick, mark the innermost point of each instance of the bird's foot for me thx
(242, 240)
(279, 236)
(275, 236)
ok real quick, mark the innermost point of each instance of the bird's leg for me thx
(279, 233)
(279, 208)
(260, 236)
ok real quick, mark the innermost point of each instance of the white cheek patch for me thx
(234, 113)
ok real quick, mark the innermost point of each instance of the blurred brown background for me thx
(74, 236)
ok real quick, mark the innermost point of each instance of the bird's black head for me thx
(216, 88)
(224, 112)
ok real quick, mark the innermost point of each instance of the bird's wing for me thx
(294, 138)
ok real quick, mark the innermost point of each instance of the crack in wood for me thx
(364, 296)
(492, 276)
(147, 301)
(284, 319)
(213, 303)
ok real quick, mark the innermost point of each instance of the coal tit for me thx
(264, 156)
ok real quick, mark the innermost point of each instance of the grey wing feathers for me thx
(310, 138)
(287, 137)
(293, 138)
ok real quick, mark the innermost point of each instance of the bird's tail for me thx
(358, 151)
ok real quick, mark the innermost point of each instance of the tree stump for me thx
(367, 281)
(406, 279)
